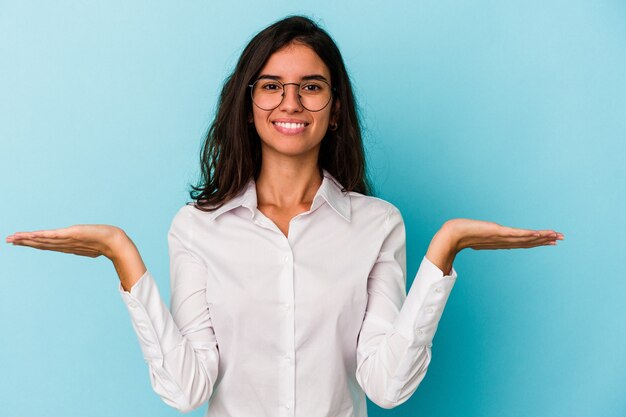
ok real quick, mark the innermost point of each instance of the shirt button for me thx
(287, 358)
(429, 310)
(286, 259)
(438, 290)
(286, 306)
(132, 305)
(287, 406)
(420, 331)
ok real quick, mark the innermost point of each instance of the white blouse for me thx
(305, 325)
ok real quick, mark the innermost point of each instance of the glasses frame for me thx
(251, 87)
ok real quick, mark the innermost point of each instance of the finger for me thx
(58, 247)
(520, 245)
(62, 232)
(51, 241)
(18, 239)
(534, 241)
(514, 232)
(534, 245)
(507, 241)
(552, 233)
(536, 237)
(53, 233)
(511, 241)
(66, 232)
(30, 232)
(76, 250)
(18, 236)
(38, 245)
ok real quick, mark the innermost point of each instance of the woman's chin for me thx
(290, 148)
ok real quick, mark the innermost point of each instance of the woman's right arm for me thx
(180, 348)
(126, 260)
(92, 240)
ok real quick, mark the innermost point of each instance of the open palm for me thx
(478, 234)
(90, 240)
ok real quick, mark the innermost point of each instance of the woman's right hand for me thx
(90, 240)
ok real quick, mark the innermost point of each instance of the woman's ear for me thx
(334, 117)
(334, 114)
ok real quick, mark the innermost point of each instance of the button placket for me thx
(287, 389)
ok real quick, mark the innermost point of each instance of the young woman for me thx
(288, 281)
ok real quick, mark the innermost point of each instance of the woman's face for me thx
(290, 129)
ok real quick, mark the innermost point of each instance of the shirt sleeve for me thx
(179, 347)
(394, 344)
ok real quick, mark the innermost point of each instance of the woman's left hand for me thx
(459, 234)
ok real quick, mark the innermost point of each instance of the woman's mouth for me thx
(290, 128)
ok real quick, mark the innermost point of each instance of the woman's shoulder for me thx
(188, 213)
(370, 204)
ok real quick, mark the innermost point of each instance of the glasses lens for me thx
(313, 95)
(267, 94)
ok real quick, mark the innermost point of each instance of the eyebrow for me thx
(305, 78)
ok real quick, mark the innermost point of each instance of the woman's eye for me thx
(311, 88)
(271, 86)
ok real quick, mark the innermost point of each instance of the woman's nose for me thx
(291, 98)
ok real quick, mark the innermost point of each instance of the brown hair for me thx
(231, 153)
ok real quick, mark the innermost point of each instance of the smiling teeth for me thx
(290, 125)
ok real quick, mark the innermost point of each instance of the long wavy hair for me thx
(231, 153)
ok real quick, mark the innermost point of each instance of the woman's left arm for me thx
(394, 344)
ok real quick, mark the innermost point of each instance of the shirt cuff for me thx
(424, 304)
(150, 318)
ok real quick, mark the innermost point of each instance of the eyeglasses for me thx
(314, 95)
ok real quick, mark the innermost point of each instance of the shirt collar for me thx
(330, 192)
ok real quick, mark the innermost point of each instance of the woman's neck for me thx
(288, 184)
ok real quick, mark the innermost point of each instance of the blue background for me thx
(513, 112)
